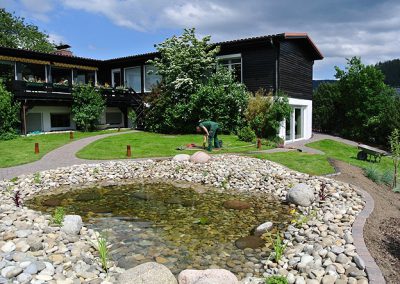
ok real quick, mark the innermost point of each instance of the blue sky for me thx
(105, 29)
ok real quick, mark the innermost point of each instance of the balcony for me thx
(63, 92)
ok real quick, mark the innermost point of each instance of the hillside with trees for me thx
(391, 70)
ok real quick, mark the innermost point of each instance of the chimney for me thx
(63, 49)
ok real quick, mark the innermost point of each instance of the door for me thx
(34, 122)
(295, 125)
(116, 77)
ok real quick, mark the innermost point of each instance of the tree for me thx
(391, 70)
(266, 111)
(87, 106)
(394, 141)
(365, 102)
(9, 111)
(16, 33)
(326, 102)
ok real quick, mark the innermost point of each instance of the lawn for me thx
(21, 150)
(145, 144)
(318, 164)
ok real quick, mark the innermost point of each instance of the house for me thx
(42, 82)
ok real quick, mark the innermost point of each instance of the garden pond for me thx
(180, 226)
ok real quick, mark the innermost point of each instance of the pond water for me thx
(179, 226)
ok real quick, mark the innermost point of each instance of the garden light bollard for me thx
(36, 148)
(258, 143)
(71, 135)
(128, 151)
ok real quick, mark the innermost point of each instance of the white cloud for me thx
(37, 9)
(56, 38)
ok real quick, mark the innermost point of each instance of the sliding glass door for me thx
(295, 125)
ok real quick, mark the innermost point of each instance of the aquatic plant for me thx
(202, 221)
(276, 279)
(58, 216)
(102, 249)
(36, 178)
(279, 247)
(14, 179)
(302, 219)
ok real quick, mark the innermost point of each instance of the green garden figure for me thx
(210, 130)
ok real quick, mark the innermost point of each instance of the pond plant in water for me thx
(178, 226)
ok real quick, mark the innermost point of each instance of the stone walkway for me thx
(60, 157)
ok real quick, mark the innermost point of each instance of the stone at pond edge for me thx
(263, 228)
(181, 158)
(200, 157)
(150, 272)
(252, 242)
(211, 276)
(72, 224)
(236, 204)
(301, 194)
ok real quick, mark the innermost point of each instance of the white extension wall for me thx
(45, 112)
(306, 105)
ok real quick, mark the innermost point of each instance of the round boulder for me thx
(181, 158)
(252, 242)
(208, 276)
(236, 204)
(301, 194)
(200, 157)
(72, 224)
(149, 272)
(263, 228)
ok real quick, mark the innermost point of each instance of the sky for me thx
(105, 29)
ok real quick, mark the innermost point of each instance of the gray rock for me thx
(306, 259)
(24, 278)
(190, 276)
(354, 272)
(342, 258)
(263, 228)
(10, 271)
(301, 194)
(200, 157)
(252, 280)
(337, 249)
(359, 262)
(8, 247)
(328, 279)
(23, 233)
(72, 224)
(181, 158)
(150, 272)
(31, 269)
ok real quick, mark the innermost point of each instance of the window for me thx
(133, 78)
(84, 77)
(113, 118)
(31, 72)
(234, 63)
(60, 120)
(61, 75)
(116, 77)
(151, 78)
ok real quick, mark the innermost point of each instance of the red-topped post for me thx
(36, 148)
(128, 151)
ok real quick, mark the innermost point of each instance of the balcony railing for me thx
(45, 91)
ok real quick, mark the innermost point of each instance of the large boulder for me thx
(146, 273)
(181, 158)
(208, 276)
(72, 224)
(200, 157)
(252, 242)
(301, 194)
(263, 228)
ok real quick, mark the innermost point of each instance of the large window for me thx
(133, 78)
(234, 63)
(116, 77)
(84, 77)
(61, 75)
(151, 78)
(7, 73)
(113, 118)
(60, 120)
(31, 72)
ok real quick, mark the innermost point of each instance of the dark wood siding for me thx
(258, 64)
(295, 70)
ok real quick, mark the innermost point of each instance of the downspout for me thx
(277, 73)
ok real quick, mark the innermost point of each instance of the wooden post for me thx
(24, 118)
(71, 135)
(258, 143)
(128, 151)
(36, 148)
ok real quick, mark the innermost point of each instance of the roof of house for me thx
(316, 54)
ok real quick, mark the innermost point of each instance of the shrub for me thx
(277, 279)
(246, 134)
(58, 216)
(132, 117)
(326, 100)
(87, 106)
(394, 141)
(9, 111)
(387, 177)
(373, 174)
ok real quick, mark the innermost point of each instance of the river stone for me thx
(181, 158)
(263, 228)
(236, 204)
(8, 247)
(200, 157)
(11, 271)
(301, 194)
(211, 276)
(359, 262)
(72, 224)
(150, 272)
(24, 278)
(252, 242)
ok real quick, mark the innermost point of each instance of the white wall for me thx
(307, 119)
(46, 111)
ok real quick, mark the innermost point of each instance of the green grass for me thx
(145, 144)
(312, 164)
(21, 149)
